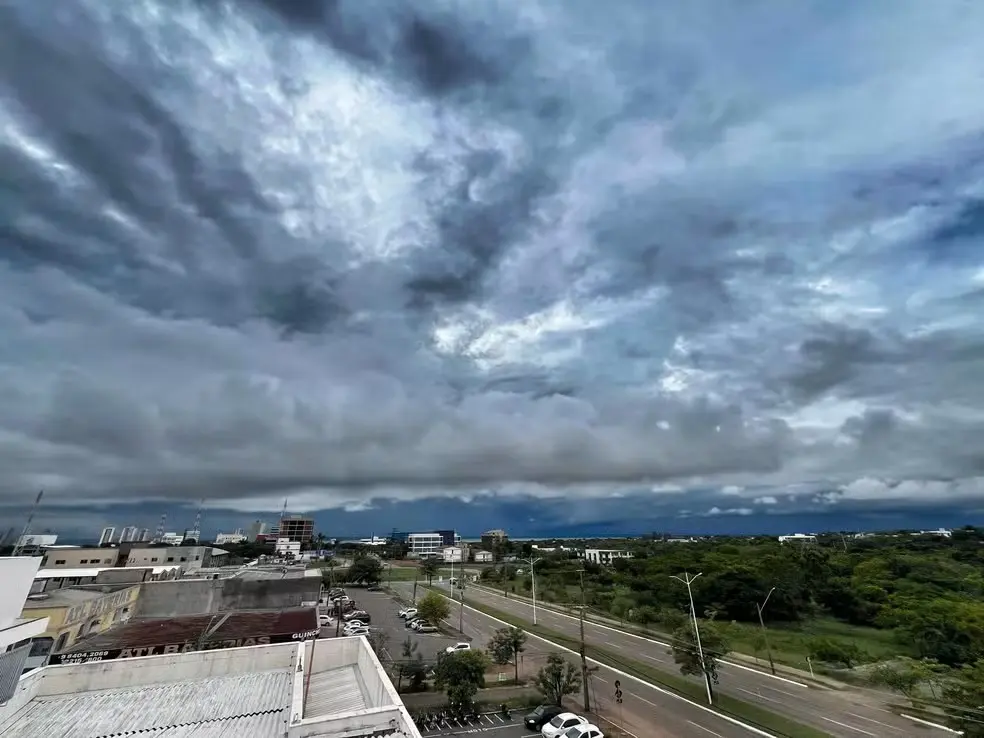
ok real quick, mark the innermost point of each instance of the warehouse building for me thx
(156, 636)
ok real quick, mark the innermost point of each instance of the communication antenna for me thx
(197, 529)
(19, 546)
(159, 534)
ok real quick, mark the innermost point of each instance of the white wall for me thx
(16, 577)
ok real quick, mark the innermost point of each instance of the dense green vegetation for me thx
(913, 604)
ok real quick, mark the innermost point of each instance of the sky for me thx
(547, 263)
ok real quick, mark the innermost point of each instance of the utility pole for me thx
(416, 574)
(533, 562)
(461, 612)
(765, 633)
(689, 580)
(584, 656)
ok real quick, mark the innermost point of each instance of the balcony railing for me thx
(11, 666)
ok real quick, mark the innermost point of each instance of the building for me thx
(106, 536)
(80, 557)
(287, 548)
(207, 632)
(172, 539)
(426, 545)
(483, 557)
(16, 630)
(303, 689)
(237, 537)
(32, 545)
(296, 529)
(453, 554)
(76, 612)
(128, 534)
(248, 588)
(48, 580)
(144, 535)
(258, 528)
(800, 538)
(187, 557)
(605, 556)
(492, 538)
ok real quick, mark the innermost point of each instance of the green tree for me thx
(411, 666)
(434, 608)
(377, 641)
(963, 697)
(430, 568)
(506, 644)
(366, 570)
(461, 675)
(909, 677)
(685, 653)
(847, 655)
(557, 679)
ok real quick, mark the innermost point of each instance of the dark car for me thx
(541, 716)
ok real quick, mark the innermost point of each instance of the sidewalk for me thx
(739, 658)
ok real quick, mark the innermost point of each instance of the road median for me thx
(725, 705)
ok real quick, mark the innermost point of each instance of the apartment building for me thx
(426, 545)
(106, 536)
(296, 529)
(16, 631)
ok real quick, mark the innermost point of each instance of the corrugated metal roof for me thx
(117, 712)
(335, 690)
(264, 725)
(141, 632)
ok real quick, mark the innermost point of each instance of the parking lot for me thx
(493, 724)
(383, 610)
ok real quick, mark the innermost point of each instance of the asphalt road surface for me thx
(384, 613)
(841, 714)
(645, 712)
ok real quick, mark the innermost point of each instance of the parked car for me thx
(584, 731)
(374, 588)
(355, 624)
(408, 612)
(358, 632)
(420, 623)
(561, 723)
(325, 620)
(458, 647)
(411, 621)
(357, 615)
(542, 715)
(426, 628)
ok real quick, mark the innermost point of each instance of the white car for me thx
(324, 621)
(408, 613)
(584, 731)
(357, 632)
(561, 724)
(458, 647)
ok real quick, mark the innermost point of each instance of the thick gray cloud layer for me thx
(345, 249)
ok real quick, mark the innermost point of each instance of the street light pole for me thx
(689, 580)
(584, 658)
(765, 633)
(533, 563)
(461, 612)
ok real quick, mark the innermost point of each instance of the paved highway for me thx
(646, 711)
(842, 714)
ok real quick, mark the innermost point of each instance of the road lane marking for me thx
(698, 725)
(650, 640)
(849, 727)
(626, 675)
(872, 720)
(760, 696)
(932, 725)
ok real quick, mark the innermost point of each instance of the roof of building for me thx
(94, 570)
(277, 691)
(141, 632)
(72, 595)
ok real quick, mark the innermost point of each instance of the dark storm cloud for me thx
(359, 250)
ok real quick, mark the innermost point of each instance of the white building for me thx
(237, 537)
(16, 577)
(144, 535)
(31, 545)
(128, 534)
(802, 538)
(308, 689)
(605, 556)
(424, 545)
(483, 557)
(172, 539)
(455, 554)
(941, 532)
(285, 546)
(107, 536)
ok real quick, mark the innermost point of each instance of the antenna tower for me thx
(196, 531)
(18, 547)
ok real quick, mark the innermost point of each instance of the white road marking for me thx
(698, 725)
(872, 720)
(759, 695)
(845, 725)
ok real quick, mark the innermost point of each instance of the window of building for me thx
(153, 560)
(108, 561)
(184, 558)
(84, 561)
(170, 558)
(59, 562)
(197, 557)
